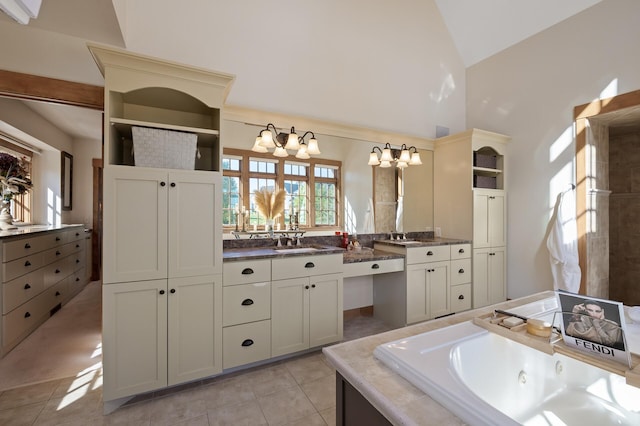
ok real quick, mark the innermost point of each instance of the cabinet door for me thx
(417, 293)
(135, 224)
(481, 277)
(497, 281)
(325, 309)
(134, 335)
(195, 225)
(438, 290)
(289, 316)
(489, 213)
(195, 328)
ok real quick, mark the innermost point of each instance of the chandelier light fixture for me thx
(284, 142)
(403, 157)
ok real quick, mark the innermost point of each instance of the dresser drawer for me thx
(74, 235)
(428, 254)
(304, 266)
(460, 251)
(246, 343)
(19, 322)
(245, 272)
(21, 266)
(19, 290)
(55, 272)
(12, 250)
(460, 298)
(460, 271)
(246, 303)
(373, 267)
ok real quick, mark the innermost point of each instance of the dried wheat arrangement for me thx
(270, 204)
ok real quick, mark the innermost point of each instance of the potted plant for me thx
(13, 180)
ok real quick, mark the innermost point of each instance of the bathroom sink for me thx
(294, 249)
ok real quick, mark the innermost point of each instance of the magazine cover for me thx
(595, 326)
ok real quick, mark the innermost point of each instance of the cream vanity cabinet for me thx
(470, 203)
(246, 312)
(306, 301)
(41, 271)
(162, 244)
(427, 282)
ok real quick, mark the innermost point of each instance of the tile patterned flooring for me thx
(296, 391)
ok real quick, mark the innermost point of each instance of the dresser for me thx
(42, 269)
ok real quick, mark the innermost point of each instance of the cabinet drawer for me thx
(21, 289)
(55, 272)
(53, 254)
(428, 254)
(74, 235)
(19, 322)
(12, 250)
(460, 271)
(460, 251)
(304, 266)
(373, 267)
(21, 266)
(246, 303)
(246, 343)
(460, 298)
(254, 271)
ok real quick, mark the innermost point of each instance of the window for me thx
(20, 203)
(312, 188)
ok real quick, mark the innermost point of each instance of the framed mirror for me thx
(66, 181)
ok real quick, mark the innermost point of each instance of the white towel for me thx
(563, 248)
(369, 221)
(399, 214)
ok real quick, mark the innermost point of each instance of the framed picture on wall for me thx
(66, 181)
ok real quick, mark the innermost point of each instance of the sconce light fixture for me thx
(403, 157)
(283, 142)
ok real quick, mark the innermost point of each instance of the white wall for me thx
(84, 151)
(528, 92)
(374, 63)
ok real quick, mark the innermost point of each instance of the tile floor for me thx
(54, 378)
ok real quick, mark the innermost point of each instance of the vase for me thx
(6, 220)
(269, 226)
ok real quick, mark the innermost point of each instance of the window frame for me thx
(21, 204)
(311, 163)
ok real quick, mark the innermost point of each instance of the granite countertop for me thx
(366, 254)
(397, 399)
(32, 229)
(438, 241)
(250, 253)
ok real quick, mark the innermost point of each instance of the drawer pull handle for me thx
(77, 234)
(27, 246)
(77, 245)
(162, 183)
(461, 271)
(309, 265)
(27, 315)
(247, 302)
(161, 291)
(247, 271)
(27, 263)
(57, 238)
(77, 260)
(247, 342)
(461, 251)
(173, 290)
(57, 271)
(58, 253)
(375, 266)
(57, 293)
(461, 297)
(77, 279)
(429, 253)
(27, 286)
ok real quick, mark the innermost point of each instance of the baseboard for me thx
(365, 311)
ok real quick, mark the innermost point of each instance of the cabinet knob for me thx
(173, 184)
(77, 245)
(58, 253)
(77, 260)
(172, 291)
(461, 251)
(77, 234)
(27, 263)
(461, 297)
(161, 292)
(247, 302)
(27, 286)
(461, 271)
(27, 246)
(57, 238)
(27, 314)
(57, 271)
(163, 183)
(77, 279)
(313, 286)
(247, 342)
(375, 266)
(247, 271)
(57, 293)
(429, 253)
(309, 265)
(306, 287)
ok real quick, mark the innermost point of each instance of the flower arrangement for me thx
(13, 176)
(270, 204)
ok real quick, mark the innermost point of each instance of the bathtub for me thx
(486, 379)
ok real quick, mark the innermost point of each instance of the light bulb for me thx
(280, 152)
(257, 146)
(405, 156)
(415, 159)
(386, 155)
(292, 140)
(313, 148)
(373, 159)
(267, 139)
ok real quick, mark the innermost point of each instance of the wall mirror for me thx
(66, 181)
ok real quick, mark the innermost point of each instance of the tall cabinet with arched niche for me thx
(162, 244)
